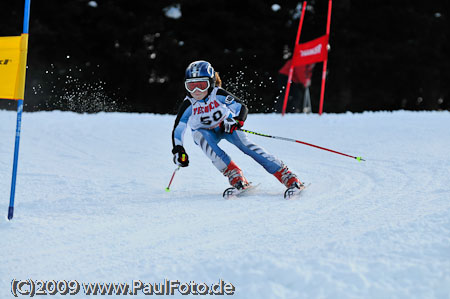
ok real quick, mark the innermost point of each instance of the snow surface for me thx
(91, 206)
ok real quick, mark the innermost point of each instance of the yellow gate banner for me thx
(13, 61)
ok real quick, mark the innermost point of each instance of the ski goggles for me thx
(200, 84)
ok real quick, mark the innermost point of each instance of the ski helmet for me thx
(201, 69)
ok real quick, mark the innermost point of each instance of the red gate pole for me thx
(324, 70)
(291, 69)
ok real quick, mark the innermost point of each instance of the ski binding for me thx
(233, 192)
(294, 192)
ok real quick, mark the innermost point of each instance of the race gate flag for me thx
(311, 52)
(13, 60)
(13, 65)
(308, 53)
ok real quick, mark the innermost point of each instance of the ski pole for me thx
(298, 141)
(183, 158)
(173, 175)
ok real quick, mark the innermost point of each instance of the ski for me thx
(293, 192)
(232, 192)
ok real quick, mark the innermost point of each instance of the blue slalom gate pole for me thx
(16, 159)
(26, 23)
(26, 17)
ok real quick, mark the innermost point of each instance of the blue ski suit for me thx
(205, 116)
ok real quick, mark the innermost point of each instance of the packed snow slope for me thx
(91, 206)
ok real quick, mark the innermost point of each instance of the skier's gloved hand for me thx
(179, 156)
(230, 125)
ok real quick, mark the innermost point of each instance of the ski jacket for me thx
(207, 113)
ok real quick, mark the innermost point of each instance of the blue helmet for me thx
(201, 69)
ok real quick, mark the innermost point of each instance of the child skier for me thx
(215, 114)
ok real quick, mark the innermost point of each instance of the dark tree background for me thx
(123, 55)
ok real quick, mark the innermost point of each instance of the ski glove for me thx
(230, 125)
(179, 156)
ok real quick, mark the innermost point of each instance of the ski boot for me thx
(287, 178)
(290, 180)
(235, 176)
